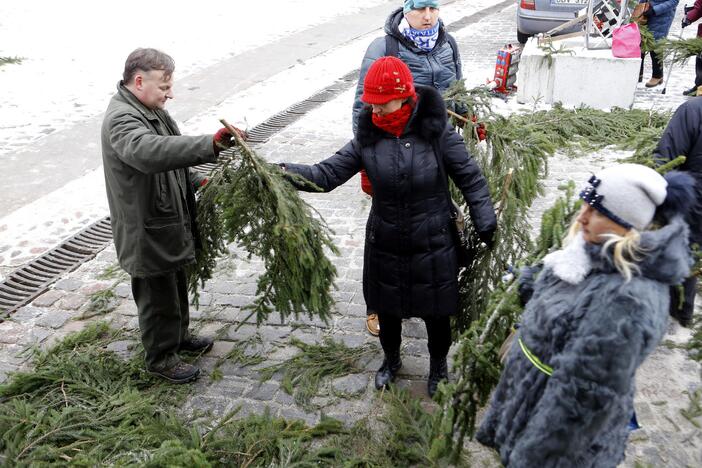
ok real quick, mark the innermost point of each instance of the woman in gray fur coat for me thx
(599, 307)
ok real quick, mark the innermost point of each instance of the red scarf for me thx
(394, 122)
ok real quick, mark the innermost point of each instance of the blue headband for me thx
(415, 4)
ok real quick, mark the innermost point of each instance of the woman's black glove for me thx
(488, 238)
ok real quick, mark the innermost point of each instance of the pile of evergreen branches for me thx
(304, 373)
(253, 204)
(82, 405)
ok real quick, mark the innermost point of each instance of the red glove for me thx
(222, 140)
(366, 184)
(479, 129)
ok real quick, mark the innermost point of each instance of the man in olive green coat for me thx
(150, 192)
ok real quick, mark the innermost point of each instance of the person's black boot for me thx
(690, 92)
(386, 373)
(438, 371)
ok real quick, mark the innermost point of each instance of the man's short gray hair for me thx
(147, 60)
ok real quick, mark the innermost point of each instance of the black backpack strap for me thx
(392, 46)
(454, 47)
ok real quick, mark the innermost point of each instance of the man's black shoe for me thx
(386, 373)
(180, 372)
(196, 344)
(690, 92)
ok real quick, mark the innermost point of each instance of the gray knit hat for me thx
(628, 194)
(414, 4)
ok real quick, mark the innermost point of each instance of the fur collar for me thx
(665, 256)
(572, 263)
(428, 119)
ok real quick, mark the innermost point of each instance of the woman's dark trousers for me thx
(438, 334)
(656, 64)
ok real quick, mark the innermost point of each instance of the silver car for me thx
(536, 16)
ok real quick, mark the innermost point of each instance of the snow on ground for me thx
(44, 223)
(74, 51)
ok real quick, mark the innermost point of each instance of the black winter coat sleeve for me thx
(681, 134)
(331, 172)
(466, 174)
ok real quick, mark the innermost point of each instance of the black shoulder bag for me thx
(465, 248)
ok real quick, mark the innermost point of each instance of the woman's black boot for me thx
(438, 371)
(386, 373)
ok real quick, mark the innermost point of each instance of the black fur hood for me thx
(428, 119)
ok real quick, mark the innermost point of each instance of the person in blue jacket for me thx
(599, 307)
(416, 35)
(660, 14)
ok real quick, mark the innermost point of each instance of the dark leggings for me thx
(438, 333)
(686, 307)
(657, 65)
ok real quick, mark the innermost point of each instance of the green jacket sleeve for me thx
(147, 152)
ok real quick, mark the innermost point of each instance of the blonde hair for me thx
(626, 249)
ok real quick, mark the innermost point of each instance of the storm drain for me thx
(28, 282)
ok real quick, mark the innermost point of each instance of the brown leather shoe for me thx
(179, 373)
(373, 324)
(196, 344)
(654, 82)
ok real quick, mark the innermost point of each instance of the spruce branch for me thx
(253, 204)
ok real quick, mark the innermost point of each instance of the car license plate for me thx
(569, 2)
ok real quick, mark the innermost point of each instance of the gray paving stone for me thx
(125, 349)
(264, 391)
(284, 399)
(240, 333)
(68, 284)
(127, 308)
(55, 319)
(414, 329)
(72, 301)
(48, 298)
(232, 299)
(27, 313)
(351, 340)
(12, 332)
(123, 290)
(296, 414)
(351, 384)
(275, 333)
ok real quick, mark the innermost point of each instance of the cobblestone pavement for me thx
(667, 438)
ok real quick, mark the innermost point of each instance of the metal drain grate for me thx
(28, 282)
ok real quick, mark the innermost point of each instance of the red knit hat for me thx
(388, 78)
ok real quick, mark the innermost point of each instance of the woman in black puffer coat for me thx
(410, 265)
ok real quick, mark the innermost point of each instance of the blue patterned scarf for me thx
(425, 39)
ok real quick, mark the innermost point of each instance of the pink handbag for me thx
(626, 41)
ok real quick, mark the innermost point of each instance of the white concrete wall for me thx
(593, 78)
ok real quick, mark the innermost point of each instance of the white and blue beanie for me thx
(628, 194)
